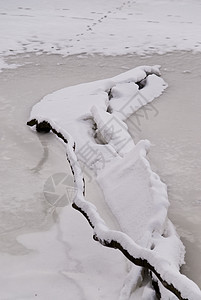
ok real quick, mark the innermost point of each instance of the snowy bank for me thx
(89, 118)
(108, 27)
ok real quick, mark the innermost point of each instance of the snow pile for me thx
(89, 119)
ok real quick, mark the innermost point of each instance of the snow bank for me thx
(108, 27)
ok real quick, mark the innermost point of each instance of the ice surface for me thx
(37, 72)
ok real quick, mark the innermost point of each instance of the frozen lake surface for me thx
(175, 155)
(27, 159)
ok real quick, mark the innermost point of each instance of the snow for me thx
(135, 195)
(113, 27)
(108, 27)
(138, 201)
(83, 100)
(112, 131)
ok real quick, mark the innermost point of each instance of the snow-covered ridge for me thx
(83, 116)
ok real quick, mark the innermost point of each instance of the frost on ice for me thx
(89, 118)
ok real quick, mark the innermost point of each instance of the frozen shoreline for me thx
(112, 28)
(42, 68)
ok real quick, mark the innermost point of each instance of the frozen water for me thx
(28, 159)
(175, 155)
